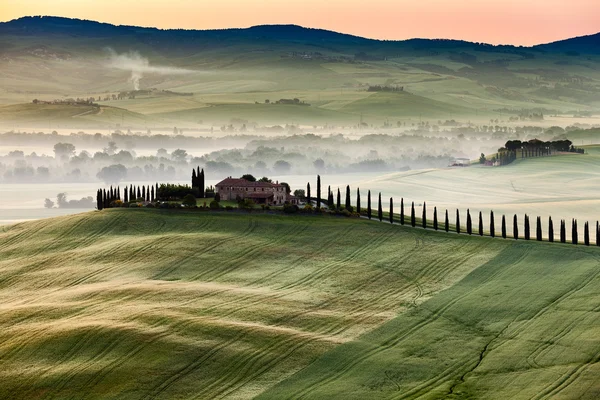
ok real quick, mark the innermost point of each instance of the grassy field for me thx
(164, 304)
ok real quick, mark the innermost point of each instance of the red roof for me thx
(244, 183)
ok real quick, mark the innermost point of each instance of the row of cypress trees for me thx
(526, 234)
(105, 198)
(198, 181)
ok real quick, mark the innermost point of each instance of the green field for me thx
(142, 303)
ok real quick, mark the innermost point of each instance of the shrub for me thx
(163, 205)
(246, 204)
(308, 208)
(229, 208)
(189, 201)
(133, 205)
(346, 213)
(290, 208)
(214, 205)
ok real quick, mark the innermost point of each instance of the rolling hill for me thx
(51, 57)
(158, 304)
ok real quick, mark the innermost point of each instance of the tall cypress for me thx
(148, 193)
(480, 224)
(330, 202)
(457, 221)
(597, 234)
(126, 197)
(550, 230)
(515, 227)
(380, 209)
(358, 209)
(98, 200)
(202, 183)
(152, 198)
(369, 211)
(402, 210)
(586, 234)
(424, 216)
(469, 222)
(563, 231)
(139, 193)
(391, 210)
(503, 226)
(144, 192)
(308, 193)
(574, 233)
(156, 192)
(348, 204)
(131, 194)
(339, 200)
(447, 222)
(435, 219)
(492, 227)
(195, 182)
(318, 191)
(538, 229)
(104, 199)
(526, 227)
(413, 220)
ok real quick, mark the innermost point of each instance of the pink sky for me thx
(492, 21)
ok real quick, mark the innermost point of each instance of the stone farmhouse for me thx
(260, 192)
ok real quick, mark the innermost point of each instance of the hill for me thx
(51, 57)
(149, 303)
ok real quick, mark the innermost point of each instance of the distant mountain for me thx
(46, 25)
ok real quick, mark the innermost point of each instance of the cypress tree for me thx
(574, 234)
(527, 230)
(201, 181)
(515, 227)
(157, 196)
(144, 192)
(104, 199)
(348, 205)
(480, 224)
(139, 193)
(586, 234)
(469, 223)
(424, 216)
(318, 191)
(457, 221)
(98, 203)
(339, 200)
(435, 219)
(126, 198)
(380, 209)
(550, 230)
(131, 195)
(308, 193)
(358, 209)
(369, 211)
(538, 229)
(413, 220)
(597, 234)
(391, 210)
(492, 227)
(503, 226)
(328, 192)
(152, 197)
(330, 202)
(148, 193)
(402, 210)
(194, 179)
(447, 222)
(563, 231)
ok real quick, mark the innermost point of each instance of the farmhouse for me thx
(260, 192)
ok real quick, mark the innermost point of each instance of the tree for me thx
(99, 200)
(217, 197)
(424, 216)
(380, 209)
(189, 201)
(480, 224)
(201, 183)
(563, 231)
(503, 227)
(144, 192)
(330, 202)
(369, 211)
(597, 234)
(586, 234)
(48, 203)
(446, 222)
(413, 219)
(126, 195)
(527, 228)
(282, 167)
(300, 193)
(515, 227)
(469, 222)
(457, 221)
(391, 210)
(319, 192)
(348, 205)
(435, 219)
(538, 229)
(402, 211)
(179, 155)
(308, 193)
(482, 159)
(248, 177)
(112, 174)
(286, 185)
(64, 151)
(492, 227)
(358, 209)
(550, 230)
(574, 233)
(339, 200)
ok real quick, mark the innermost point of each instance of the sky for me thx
(491, 21)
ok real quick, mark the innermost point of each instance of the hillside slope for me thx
(150, 304)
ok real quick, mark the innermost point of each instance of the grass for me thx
(163, 304)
